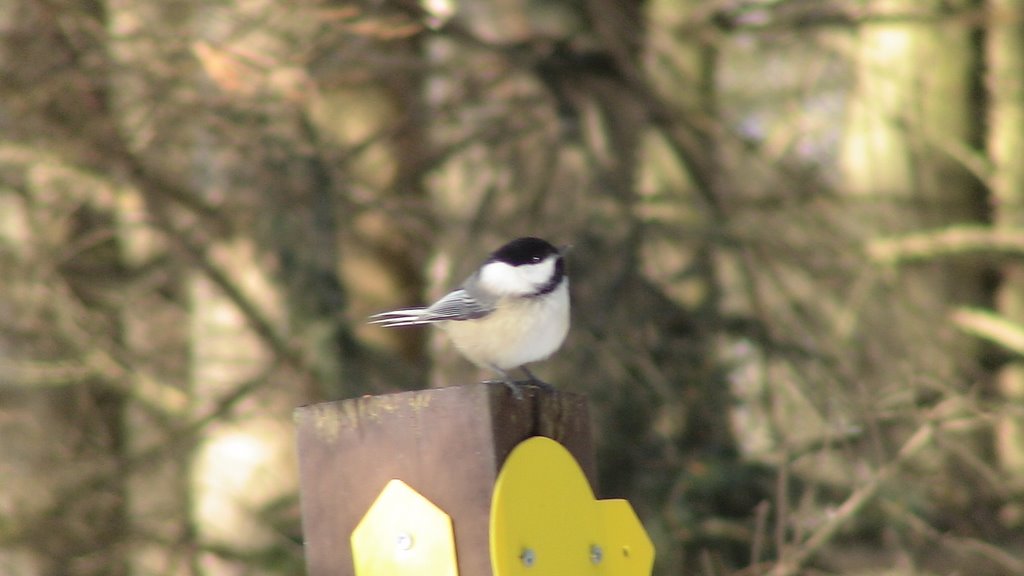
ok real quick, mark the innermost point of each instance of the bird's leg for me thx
(508, 381)
(537, 381)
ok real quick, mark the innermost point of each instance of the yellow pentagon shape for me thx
(403, 534)
(545, 520)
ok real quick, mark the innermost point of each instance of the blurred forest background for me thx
(798, 273)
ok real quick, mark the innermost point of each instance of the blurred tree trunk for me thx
(97, 409)
(909, 124)
(63, 391)
(155, 341)
(156, 328)
(66, 313)
(1005, 83)
(692, 413)
(243, 314)
(692, 90)
(229, 460)
(912, 121)
(244, 463)
(907, 128)
(369, 103)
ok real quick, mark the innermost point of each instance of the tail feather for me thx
(397, 318)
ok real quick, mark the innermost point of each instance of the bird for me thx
(513, 311)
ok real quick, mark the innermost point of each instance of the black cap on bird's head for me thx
(522, 251)
(525, 267)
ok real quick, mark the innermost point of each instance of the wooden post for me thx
(446, 443)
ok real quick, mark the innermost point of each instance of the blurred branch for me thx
(198, 254)
(43, 374)
(98, 128)
(159, 192)
(686, 134)
(178, 440)
(952, 241)
(990, 326)
(974, 161)
(97, 364)
(792, 564)
(799, 15)
(966, 546)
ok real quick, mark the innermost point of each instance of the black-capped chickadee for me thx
(512, 311)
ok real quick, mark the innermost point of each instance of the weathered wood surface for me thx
(446, 443)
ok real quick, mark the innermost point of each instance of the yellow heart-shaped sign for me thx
(545, 520)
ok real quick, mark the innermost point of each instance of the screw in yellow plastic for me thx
(403, 534)
(546, 521)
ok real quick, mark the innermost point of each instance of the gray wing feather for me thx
(456, 305)
(406, 317)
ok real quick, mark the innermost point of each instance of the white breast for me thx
(520, 331)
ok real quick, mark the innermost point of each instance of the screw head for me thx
(596, 554)
(528, 557)
(403, 541)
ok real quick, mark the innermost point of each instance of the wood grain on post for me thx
(446, 443)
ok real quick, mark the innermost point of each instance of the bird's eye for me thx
(535, 259)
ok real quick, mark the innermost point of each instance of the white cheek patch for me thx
(537, 275)
(502, 278)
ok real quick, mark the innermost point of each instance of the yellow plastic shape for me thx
(403, 534)
(546, 521)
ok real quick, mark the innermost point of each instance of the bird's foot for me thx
(515, 386)
(512, 385)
